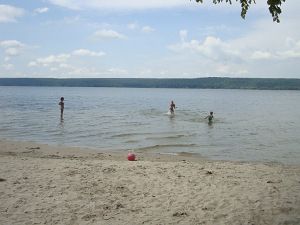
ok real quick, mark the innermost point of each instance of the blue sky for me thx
(155, 39)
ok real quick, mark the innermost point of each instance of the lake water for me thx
(249, 125)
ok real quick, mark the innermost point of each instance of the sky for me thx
(147, 39)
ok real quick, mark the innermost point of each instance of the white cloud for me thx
(96, 72)
(108, 34)
(289, 54)
(114, 5)
(229, 70)
(12, 48)
(50, 60)
(62, 68)
(66, 66)
(83, 71)
(32, 64)
(10, 13)
(268, 49)
(8, 66)
(12, 51)
(147, 29)
(261, 55)
(132, 26)
(86, 52)
(211, 47)
(144, 29)
(223, 69)
(54, 59)
(146, 72)
(41, 10)
(61, 60)
(291, 50)
(117, 71)
(271, 41)
(183, 35)
(119, 4)
(11, 43)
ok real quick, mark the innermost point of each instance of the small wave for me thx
(131, 141)
(154, 147)
(128, 135)
(167, 137)
(150, 112)
(197, 120)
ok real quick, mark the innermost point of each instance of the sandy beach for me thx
(41, 184)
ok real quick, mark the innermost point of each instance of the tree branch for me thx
(274, 7)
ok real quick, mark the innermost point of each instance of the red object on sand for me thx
(131, 156)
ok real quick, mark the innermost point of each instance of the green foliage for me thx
(274, 7)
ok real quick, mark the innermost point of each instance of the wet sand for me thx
(41, 184)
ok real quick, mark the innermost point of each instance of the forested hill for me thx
(211, 82)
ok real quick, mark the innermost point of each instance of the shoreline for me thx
(37, 150)
(43, 184)
(66, 151)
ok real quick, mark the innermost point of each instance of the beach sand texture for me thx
(41, 184)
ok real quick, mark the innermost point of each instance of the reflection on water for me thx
(172, 118)
(61, 127)
(247, 125)
(61, 132)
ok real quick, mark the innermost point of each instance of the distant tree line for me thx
(205, 83)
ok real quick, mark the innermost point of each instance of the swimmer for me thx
(210, 117)
(172, 107)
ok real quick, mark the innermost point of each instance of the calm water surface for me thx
(249, 125)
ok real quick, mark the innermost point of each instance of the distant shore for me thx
(42, 184)
(193, 83)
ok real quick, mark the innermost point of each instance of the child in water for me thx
(62, 106)
(210, 117)
(172, 107)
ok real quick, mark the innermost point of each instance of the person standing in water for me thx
(210, 117)
(62, 106)
(172, 107)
